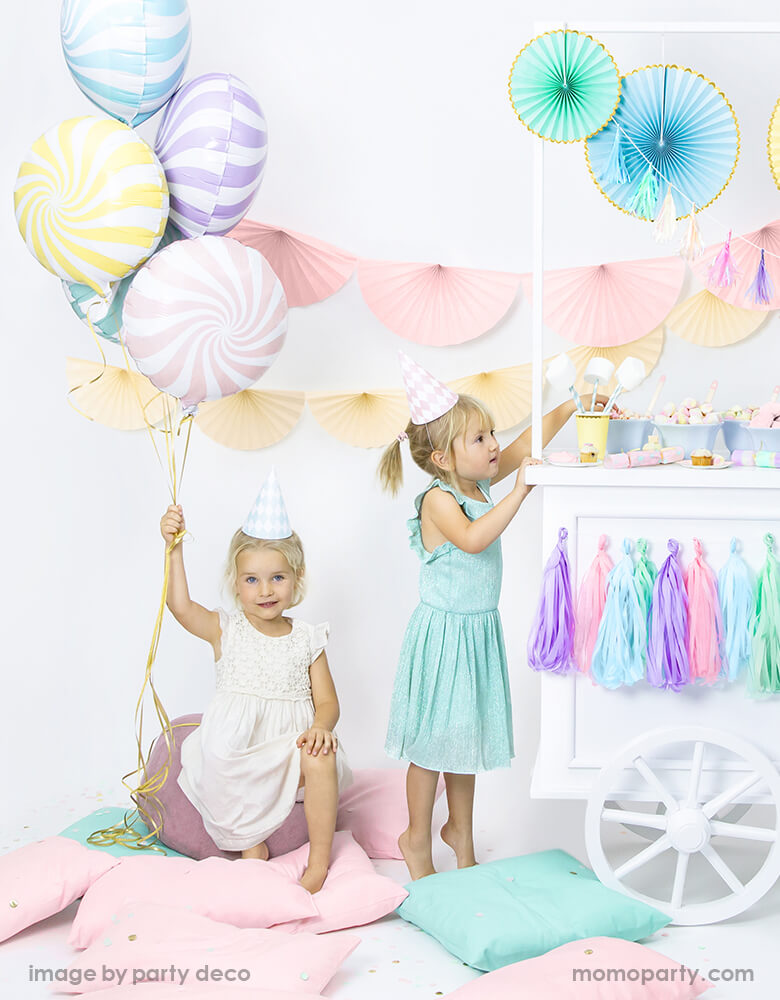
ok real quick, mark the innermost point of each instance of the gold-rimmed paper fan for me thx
(773, 143)
(707, 320)
(114, 396)
(250, 419)
(506, 392)
(647, 349)
(363, 419)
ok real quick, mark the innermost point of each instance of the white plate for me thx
(689, 465)
(574, 465)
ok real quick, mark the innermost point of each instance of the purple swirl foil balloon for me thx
(212, 143)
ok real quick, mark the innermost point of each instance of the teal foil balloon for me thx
(564, 86)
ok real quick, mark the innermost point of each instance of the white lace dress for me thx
(241, 768)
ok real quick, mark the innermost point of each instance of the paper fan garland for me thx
(308, 269)
(672, 127)
(706, 320)
(647, 349)
(506, 392)
(773, 144)
(746, 258)
(117, 397)
(250, 419)
(564, 86)
(433, 304)
(610, 304)
(362, 419)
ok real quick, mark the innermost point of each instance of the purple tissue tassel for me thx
(761, 290)
(551, 642)
(668, 665)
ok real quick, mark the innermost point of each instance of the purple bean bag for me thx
(182, 828)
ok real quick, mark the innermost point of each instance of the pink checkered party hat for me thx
(268, 517)
(428, 397)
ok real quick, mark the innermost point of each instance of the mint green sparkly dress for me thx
(451, 708)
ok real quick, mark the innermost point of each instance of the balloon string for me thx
(99, 375)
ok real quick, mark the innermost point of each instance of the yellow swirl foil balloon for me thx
(91, 201)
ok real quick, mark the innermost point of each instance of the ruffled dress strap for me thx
(318, 638)
(470, 509)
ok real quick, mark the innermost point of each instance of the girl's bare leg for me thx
(415, 841)
(320, 805)
(260, 852)
(458, 831)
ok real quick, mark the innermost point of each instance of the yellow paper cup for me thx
(592, 428)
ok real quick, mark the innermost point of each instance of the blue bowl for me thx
(689, 437)
(624, 435)
(737, 435)
(765, 438)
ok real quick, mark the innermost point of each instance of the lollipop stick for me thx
(656, 394)
(711, 392)
(593, 399)
(576, 397)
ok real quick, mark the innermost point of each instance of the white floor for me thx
(395, 960)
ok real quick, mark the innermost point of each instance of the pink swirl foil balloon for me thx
(205, 318)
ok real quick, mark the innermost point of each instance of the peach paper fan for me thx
(610, 304)
(114, 397)
(647, 349)
(706, 320)
(746, 259)
(362, 419)
(433, 304)
(308, 269)
(251, 418)
(505, 391)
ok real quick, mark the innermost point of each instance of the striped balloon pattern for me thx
(127, 56)
(205, 318)
(91, 201)
(212, 143)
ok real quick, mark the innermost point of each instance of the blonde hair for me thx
(291, 548)
(425, 439)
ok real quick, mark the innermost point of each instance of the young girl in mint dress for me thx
(451, 709)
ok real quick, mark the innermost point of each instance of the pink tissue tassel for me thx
(590, 606)
(705, 622)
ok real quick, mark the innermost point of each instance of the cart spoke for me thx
(654, 781)
(658, 847)
(692, 798)
(651, 820)
(734, 791)
(737, 832)
(679, 879)
(720, 866)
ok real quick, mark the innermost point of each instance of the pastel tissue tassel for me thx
(764, 674)
(761, 290)
(737, 603)
(668, 665)
(551, 642)
(590, 606)
(722, 270)
(618, 654)
(705, 622)
(645, 573)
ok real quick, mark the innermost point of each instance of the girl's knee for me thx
(322, 762)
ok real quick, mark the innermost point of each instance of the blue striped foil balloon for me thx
(212, 143)
(127, 56)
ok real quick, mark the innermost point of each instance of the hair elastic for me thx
(403, 436)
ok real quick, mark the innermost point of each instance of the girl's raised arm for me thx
(194, 617)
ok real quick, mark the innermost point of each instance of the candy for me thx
(617, 461)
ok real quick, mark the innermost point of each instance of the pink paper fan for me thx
(610, 304)
(432, 304)
(308, 269)
(746, 259)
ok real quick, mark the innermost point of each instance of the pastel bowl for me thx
(765, 438)
(627, 434)
(737, 435)
(689, 437)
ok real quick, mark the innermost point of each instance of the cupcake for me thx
(588, 453)
(702, 456)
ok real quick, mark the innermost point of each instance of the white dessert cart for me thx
(687, 777)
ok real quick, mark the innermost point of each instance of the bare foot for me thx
(257, 853)
(418, 860)
(463, 846)
(313, 878)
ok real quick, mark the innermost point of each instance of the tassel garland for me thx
(617, 656)
(644, 201)
(616, 171)
(691, 246)
(761, 290)
(551, 642)
(764, 675)
(667, 648)
(665, 224)
(737, 602)
(705, 623)
(590, 606)
(722, 270)
(645, 573)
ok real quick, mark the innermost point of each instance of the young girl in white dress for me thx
(269, 730)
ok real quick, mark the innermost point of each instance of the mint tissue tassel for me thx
(616, 171)
(618, 654)
(705, 622)
(645, 573)
(644, 201)
(764, 674)
(668, 665)
(737, 603)
(551, 642)
(590, 605)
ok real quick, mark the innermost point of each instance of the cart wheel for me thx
(687, 824)
(728, 814)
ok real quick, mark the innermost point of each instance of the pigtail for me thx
(390, 470)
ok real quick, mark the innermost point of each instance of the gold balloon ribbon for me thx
(99, 375)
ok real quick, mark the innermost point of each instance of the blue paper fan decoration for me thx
(672, 129)
(564, 86)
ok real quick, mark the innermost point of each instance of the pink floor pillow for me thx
(183, 829)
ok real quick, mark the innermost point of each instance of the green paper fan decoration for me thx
(564, 86)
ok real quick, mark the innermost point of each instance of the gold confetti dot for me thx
(12, 903)
(588, 951)
(372, 970)
(396, 961)
(132, 937)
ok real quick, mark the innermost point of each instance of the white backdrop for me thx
(390, 134)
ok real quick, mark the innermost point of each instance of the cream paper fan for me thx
(506, 392)
(707, 320)
(251, 418)
(114, 396)
(647, 349)
(363, 419)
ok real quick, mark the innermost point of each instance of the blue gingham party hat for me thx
(268, 517)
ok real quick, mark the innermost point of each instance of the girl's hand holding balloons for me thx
(172, 523)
